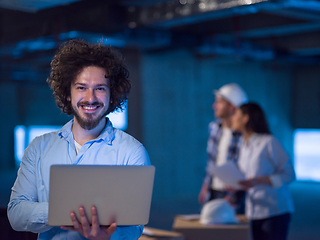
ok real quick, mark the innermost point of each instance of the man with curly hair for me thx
(89, 81)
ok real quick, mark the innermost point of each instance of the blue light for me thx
(24, 135)
(50, 42)
(19, 143)
(307, 154)
(94, 38)
(119, 119)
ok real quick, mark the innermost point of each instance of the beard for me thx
(90, 122)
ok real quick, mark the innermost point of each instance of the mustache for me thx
(89, 104)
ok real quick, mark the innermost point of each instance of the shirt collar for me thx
(66, 130)
(234, 133)
(251, 139)
(107, 134)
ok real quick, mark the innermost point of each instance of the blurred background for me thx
(177, 52)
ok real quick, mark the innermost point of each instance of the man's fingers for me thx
(111, 229)
(84, 228)
(242, 183)
(84, 222)
(75, 222)
(95, 218)
(95, 221)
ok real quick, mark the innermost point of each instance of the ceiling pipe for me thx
(184, 12)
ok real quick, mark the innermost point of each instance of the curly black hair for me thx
(72, 57)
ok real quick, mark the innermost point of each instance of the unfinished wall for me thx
(176, 102)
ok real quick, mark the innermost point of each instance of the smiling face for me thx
(90, 97)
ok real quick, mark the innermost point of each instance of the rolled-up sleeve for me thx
(284, 171)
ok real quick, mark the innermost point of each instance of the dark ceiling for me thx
(259, 30)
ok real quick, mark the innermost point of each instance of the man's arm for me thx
(203, 195)
(214, 134)
(139, 156)
(25, 212)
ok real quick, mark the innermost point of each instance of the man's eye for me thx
(80, 88)
(101, 89)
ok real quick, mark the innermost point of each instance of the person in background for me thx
(223, 144)
(89, 81)
(268, 173)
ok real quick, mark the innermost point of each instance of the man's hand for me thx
(251, 182)
(94, 232)
(202, 198)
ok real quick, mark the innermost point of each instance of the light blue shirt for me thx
(28, 206)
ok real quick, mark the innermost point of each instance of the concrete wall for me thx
(169, 111)
(176, 107)
(307, 97)
(8, 120)
(177, 98)
(23, 103)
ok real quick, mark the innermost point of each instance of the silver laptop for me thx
(120, 192)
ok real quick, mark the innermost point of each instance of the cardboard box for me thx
(194, 230)
(158, 234)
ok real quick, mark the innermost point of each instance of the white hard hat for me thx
(218, 211)
(233, 93)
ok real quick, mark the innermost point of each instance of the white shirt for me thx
(78, 146)
(263, 155)
(223, 146)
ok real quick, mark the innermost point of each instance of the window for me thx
(119, 119)
(307, 154)
(23, 135)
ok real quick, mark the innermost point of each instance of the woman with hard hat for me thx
(268, 172)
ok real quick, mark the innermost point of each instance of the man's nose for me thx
(90, 96)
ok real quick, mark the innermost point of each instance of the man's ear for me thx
(232, 109)
(69, 99)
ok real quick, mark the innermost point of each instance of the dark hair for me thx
(257, 121)
(69, 61)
